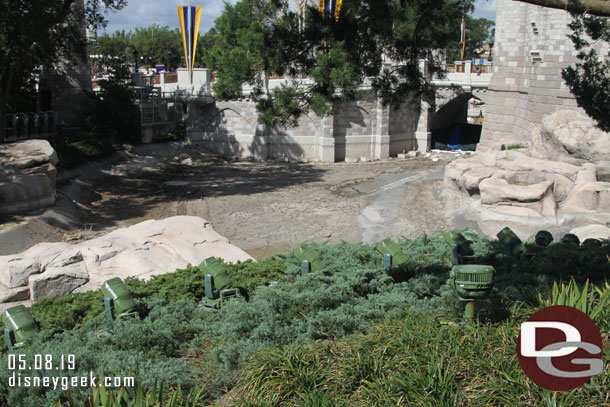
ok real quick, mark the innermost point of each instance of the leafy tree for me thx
(589, 79)
(256, 38)
(479, 32)
(153, 43)
(39, 32)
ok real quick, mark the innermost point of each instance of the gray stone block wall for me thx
(362, 129)
(523, 90)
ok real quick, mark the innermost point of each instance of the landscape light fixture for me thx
(461, 251)
(591, 242)
(512, 244)
(118, 299)
(471, 282)
(393, 256)
(19, 326)
(571, 238)
(310, 261)
(543, 238)
(217, 283)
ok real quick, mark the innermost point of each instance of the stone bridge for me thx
(364, 129)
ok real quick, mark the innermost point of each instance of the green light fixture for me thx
(571, 239)
(513, 246)
(471, 282)
(118, 299)
(392, 254)
(217, 283)
(543, 238)
(19, 326)
(309, 258)
(461, 251)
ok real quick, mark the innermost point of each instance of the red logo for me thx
(560, 348)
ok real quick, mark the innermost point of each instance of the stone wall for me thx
(531, 48)
(64, 86)
(364, 129)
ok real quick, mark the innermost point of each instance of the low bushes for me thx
(181, 343)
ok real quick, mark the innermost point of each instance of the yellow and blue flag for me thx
(189, 17)
(463, 37)
(330, 8)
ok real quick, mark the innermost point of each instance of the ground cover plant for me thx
(350, 306)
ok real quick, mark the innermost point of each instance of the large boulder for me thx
(27, 176)
(591, 232)
(569, 134)
(509, 187)
(143, 250)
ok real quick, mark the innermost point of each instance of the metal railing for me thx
(21, 126)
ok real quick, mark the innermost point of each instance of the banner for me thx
(189, 17)
(330, 8)
(463, 38)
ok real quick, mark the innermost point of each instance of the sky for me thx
(142, 13)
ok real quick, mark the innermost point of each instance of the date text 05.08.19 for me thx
(23, 362)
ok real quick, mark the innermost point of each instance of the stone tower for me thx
(531, 48)
(63, 87)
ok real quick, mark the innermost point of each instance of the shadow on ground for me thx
(138, 195)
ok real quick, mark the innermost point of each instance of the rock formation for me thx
(143, 250)
(27, 176)
(551, 185)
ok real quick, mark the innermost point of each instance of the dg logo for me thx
(560, 348)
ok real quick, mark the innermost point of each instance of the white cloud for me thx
(142, 13)
(485, 8)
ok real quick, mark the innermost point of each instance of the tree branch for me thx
(600, 8)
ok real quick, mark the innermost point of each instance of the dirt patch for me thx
(262, 207)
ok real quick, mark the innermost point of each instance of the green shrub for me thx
(515, 146)
(250, 275)
(69, 311)
(147, 349)
(352, 294)
(176, 134)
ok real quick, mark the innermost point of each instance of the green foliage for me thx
(589, 299)
(253, 38)
(515, 146)
(69, 311)
(112, 118)
(154, 397)
(588, 79)
(172, 135)
(479, 32)
(308, 327)
(50, 31)
(147, 349)
(414, 361)
(250, 275)
(152, 44)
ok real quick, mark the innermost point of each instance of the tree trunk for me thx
(600, 8)
(2, 117)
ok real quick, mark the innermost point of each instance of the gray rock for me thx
(14, 294)
(592, 232)
(142, 250)
(568, 134)
(57, 281)
(27, 176)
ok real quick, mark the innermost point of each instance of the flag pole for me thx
(190, 34)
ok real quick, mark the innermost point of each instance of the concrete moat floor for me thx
(265, 207)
